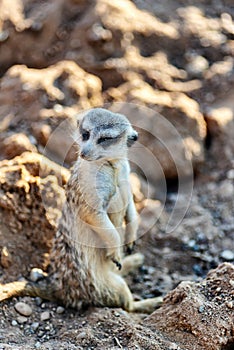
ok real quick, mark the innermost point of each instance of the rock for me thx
(14, 323)
(45, 316)
(230, 174)
(38, 301)
(226, 190)
(15, 145)
(60, 310)
(23, 309)
(197, 65)
(6, 259)
(22, 319)
(227, 255)
(197, 313)
(82, 335)
(34, 326)
(36, 274)
(37, 345)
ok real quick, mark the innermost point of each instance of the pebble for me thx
(60, 310)
(34, 326)
(226, 190)
(82, 335)
(22, 319)
(201, 308)
(23, 309)
(45, 316)
(197, 65)
(37, 345)
(230, 174)
(14, 323)
(36, 274)
(4, 35)
(230, 304)
(198, 270)
(227, 255)
(38, 301)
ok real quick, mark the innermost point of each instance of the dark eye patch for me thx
(107, 140)
(85, 135)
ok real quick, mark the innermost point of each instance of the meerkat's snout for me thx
(133, 137)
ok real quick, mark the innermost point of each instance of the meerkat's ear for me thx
(132, 137)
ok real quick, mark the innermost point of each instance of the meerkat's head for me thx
(104, 135)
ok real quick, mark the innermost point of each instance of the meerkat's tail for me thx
(25, 288)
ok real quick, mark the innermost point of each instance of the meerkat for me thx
(98, 219)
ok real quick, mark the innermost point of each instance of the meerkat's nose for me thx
(82, 154)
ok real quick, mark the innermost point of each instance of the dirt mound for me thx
(199, 313)
(31, 197)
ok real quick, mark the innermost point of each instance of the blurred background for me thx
(176, 57)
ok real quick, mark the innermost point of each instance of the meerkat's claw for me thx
(117, 263)
(130, 247)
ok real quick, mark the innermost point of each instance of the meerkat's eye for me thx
(103, 139)
(85, 135)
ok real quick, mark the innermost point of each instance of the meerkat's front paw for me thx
(115, 257)
(130, 236)
(130, 247)
(117, 263)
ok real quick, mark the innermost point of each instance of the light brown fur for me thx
(87, 250)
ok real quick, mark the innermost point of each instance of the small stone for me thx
(201, 308)
(6, 259)
(23, 309)
(226, 190)
(34, 326)
(4, 35)
(197, 65)
(82, 335)
(14, 323)
(230, 174)
(60, 310)
(198, 270)
(36, 26)
(41, 333)
(36, 274)
(37, 345)
(21, 319)
(227, 255)
(230, 304)
(38, 301)
(45, 316)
